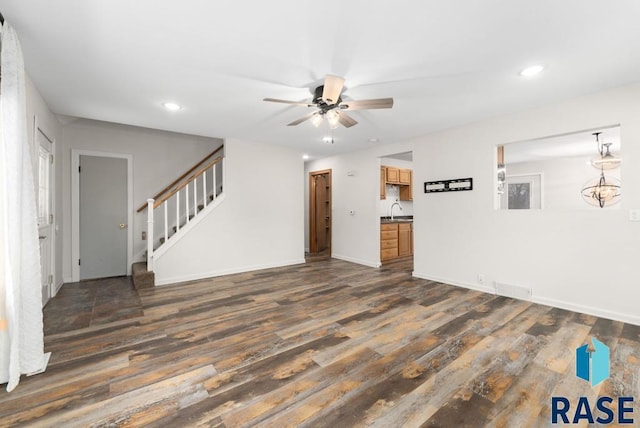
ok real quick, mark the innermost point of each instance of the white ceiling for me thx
(444, 62)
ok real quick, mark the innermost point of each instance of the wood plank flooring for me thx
(327, 343)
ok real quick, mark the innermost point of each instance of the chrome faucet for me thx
(393, 205)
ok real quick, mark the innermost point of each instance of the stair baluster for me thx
(174, 196)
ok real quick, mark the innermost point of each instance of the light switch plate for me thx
(634, 215)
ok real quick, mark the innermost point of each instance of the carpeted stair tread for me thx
(141, 277)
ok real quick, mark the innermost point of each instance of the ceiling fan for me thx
(329, 104)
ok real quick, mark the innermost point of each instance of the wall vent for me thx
(514, 291)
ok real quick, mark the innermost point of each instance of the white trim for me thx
(221, 272)
(186, 228)
(477, 287)
(53, 289)
(358, 261)
(589, 310)
(75, 206)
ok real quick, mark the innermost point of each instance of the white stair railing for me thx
(187, 201)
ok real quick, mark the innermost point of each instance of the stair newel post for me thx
(150, 234)
(215, 184)
(204, 188)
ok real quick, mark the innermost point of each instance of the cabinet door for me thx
(393, 175)
(383, 183)
(405, 247)
(406, 190)
(404, 176)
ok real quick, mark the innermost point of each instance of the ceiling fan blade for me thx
(367, 104)
(302, 119)
(346, 120)
(332, 88)
(295, 103)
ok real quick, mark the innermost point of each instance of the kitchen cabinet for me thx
(388, 241)
(406, 189)
(405, 239)
(404, 176)
(393, 175)
(401, 177)
(396, 240)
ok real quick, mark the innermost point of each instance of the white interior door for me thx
(45, 212)
(103, 217)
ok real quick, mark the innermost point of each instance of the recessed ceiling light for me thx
(305, 157)
(373, 140)
(531, 71)
(171, 106)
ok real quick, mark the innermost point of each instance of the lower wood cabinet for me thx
(405, 239)
(396, 240)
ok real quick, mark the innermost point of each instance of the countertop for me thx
(397, 219)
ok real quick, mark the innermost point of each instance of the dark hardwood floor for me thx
(327, 343)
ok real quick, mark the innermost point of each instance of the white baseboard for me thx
(67, 280)
(221, 272)
(477, 287)
(358, 261)
(589, 310)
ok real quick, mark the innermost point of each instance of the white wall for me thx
(258, 225)
(583, 260)
(37, 109)
(355, 237)
(393, 192)
(159, 157)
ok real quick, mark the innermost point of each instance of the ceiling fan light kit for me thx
(327, 99)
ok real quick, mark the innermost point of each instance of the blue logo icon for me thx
(592, 364)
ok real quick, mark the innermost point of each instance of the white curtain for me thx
(21, 328)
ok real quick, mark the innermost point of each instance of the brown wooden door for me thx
(320, 211)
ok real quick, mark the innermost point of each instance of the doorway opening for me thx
(395, 209)
(45, 199)
(102, 213)
(320, 214)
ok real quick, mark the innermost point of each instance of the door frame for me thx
(54, 287)
(312, 210)
(75, 206)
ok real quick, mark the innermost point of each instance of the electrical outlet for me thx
(634, 215)
(144, 235)
(481, 278)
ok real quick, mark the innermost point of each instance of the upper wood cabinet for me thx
(397, 176)
(406, 189)
(393, 175)
(404, 176)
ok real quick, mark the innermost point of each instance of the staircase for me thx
(178, 208)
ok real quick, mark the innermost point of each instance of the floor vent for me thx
(515, 291)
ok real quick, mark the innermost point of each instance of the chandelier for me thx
(602, 190)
